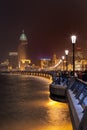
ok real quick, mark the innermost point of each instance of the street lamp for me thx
(73, 39)
(63, 57)
(66, 53)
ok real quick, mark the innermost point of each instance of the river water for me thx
(25, 105)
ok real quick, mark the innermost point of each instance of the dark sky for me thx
(48, 25)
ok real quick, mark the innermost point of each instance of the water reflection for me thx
(59, 115)
(25, 105)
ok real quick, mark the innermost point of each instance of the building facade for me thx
(23, 60)
(13, 60)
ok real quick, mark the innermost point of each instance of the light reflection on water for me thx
(27, 106)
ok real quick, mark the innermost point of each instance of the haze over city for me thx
(48, 25)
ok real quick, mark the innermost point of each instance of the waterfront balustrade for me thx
(77, 100)
(74, 91)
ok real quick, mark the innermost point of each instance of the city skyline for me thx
(47, 24)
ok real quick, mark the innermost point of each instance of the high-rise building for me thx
(13, 60)
(23, 60)
(22, 48)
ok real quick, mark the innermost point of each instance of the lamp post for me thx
(73, 39)
(63, 57)
(66, 53)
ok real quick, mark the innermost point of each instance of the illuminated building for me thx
(4, 65)
(84, 48)
(13, 60)
(23, 60)
(44, 63)
(54, 59)
(80, 60)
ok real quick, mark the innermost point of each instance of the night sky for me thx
(48, 25)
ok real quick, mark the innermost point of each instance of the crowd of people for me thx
(63, 75)
(82, 75)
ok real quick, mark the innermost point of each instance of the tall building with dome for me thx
(23, 60)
